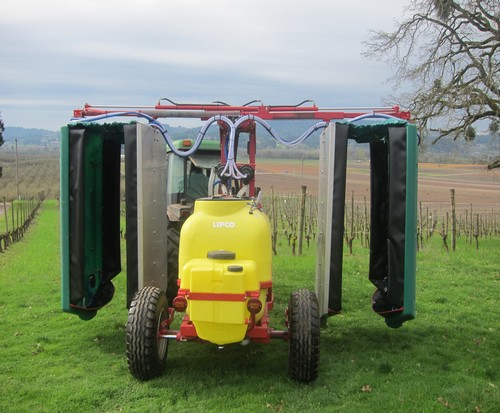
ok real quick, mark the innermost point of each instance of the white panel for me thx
(151, 208)
(325, 205)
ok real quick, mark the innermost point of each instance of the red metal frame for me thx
(205, 111)
(304, 110)
(260, 332)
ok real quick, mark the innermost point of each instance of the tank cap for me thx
(221, 255)
(235, 268)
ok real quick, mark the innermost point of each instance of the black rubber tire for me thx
(304, 331)
(146, 353)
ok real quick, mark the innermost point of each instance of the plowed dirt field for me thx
(473, 184)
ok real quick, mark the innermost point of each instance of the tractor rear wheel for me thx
(146, 351)
(304, 331)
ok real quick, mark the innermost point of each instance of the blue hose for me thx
(230, 169)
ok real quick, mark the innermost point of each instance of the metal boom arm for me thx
(266, 112)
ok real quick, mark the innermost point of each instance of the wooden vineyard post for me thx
(6, 216)
(302, 217)
(350, 238)
(444, 233)
(2, 237)
(427, 224)
(310, 229)
(420, 236)
(466, 226)
(476, 232)
(366, 225)
(273, 214)
(453, 221)
(13, 221)
(471, 225)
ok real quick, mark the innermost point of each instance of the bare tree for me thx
(447, 54)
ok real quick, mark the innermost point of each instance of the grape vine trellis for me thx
(17, 218)
(470, 224)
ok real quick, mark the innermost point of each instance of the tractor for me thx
(199, 245)
(219, 269)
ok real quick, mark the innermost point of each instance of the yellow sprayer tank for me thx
(225, 258)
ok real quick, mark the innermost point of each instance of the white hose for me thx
(230, 169)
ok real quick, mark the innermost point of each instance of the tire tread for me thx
(141, 337)
(304, 330)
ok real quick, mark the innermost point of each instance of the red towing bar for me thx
(304, 110)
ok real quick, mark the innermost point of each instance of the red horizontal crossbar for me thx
(204, 111)
(216, 297)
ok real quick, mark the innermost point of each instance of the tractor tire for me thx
(146, 352)
(304, 331)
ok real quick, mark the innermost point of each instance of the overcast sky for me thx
(56, 55)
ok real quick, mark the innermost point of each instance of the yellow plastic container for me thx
(225, 257)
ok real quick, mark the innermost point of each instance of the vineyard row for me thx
(17, 217)
(287, 211)
(294, 219)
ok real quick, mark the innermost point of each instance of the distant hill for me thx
(31, 136)
(445, 150)
(34, 136)
(481, 150)
(288, 129)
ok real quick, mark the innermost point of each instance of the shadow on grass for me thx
(433, 349)
(193, 361)
(200, 361)
(359, 340)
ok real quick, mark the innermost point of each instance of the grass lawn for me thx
(447, 359)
